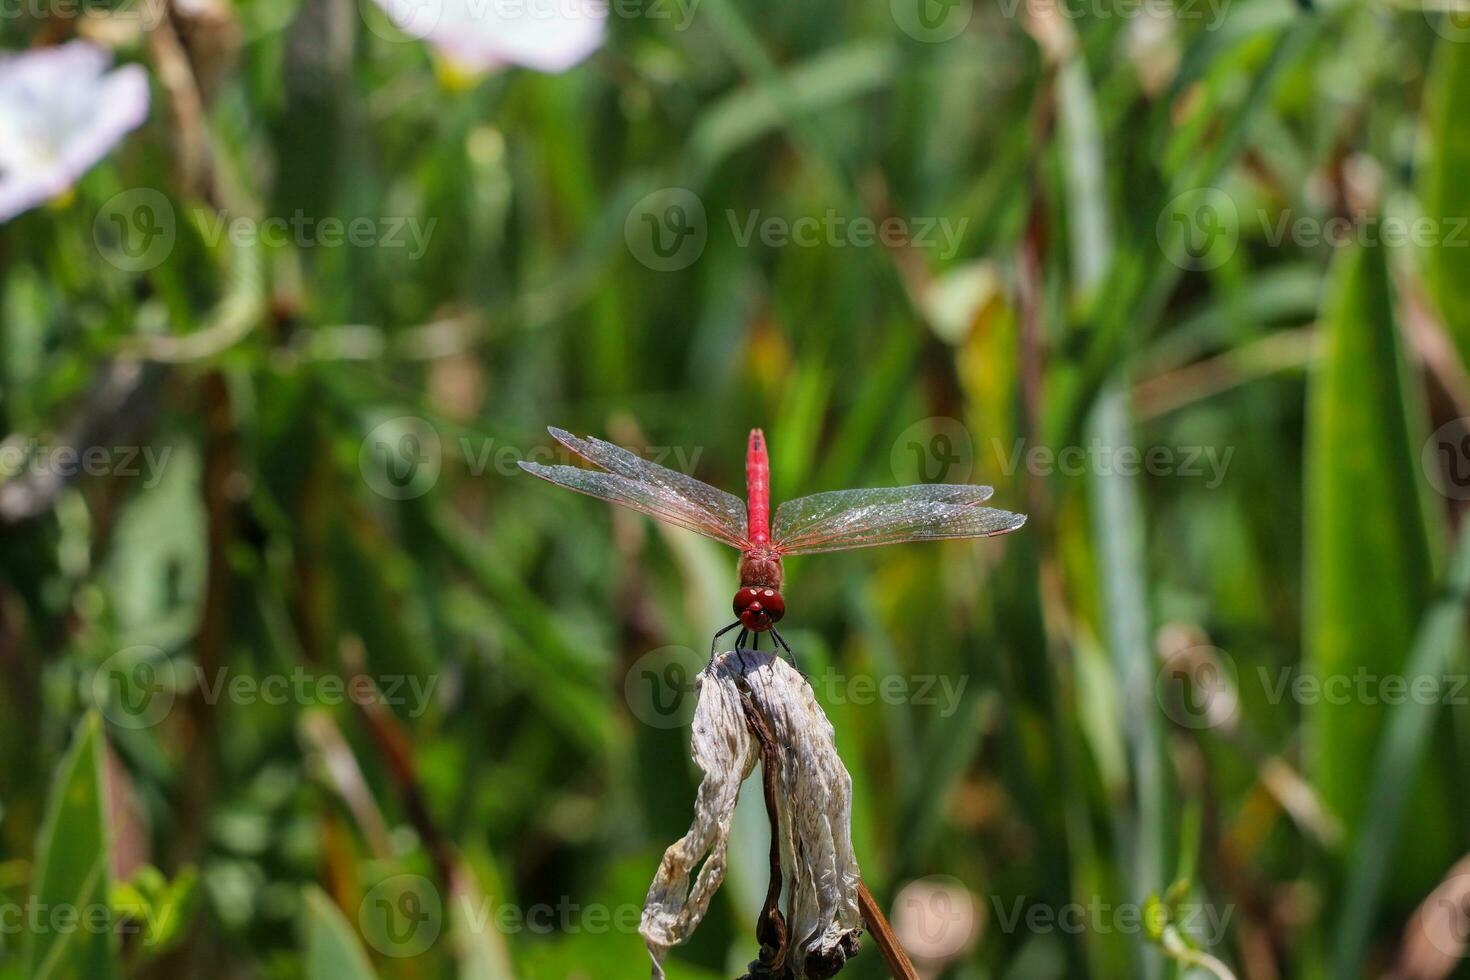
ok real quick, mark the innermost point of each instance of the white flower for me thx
(814, 799)
(61, 111)
(547, 35)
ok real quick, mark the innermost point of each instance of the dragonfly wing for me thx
(647, 488)
(847, 519)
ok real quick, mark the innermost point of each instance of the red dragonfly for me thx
(837, 521)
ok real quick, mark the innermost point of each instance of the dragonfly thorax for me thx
(761, 568)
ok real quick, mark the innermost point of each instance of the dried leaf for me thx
(815, 803)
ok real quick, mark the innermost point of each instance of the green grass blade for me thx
(1119, 533)
(1444, 191)
(72, 872)
(332, 949)
(1437, 647)
(1366, 580)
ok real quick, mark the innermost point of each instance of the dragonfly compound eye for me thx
(759, 608)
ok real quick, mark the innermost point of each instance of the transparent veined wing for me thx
(648, 488)
(846, 519)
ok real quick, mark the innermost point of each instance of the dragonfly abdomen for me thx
(758, 489)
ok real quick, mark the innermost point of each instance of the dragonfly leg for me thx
(740, 639)
(716, 638)
(787, 647)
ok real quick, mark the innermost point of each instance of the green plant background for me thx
(1070, 770)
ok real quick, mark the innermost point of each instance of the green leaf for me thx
(332, 949)
(1176, 894)
(64, 942)
(1367, 577)
(1155, 917)
(1118, 529)
(821, 84)
(155, 576)
(947, 753)
(163, 908)
(1444, 190)
(480, 950)
(1084, 156)
(1437, 648)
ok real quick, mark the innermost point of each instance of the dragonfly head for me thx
(758, 609)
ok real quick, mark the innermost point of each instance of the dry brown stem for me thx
(773, 962)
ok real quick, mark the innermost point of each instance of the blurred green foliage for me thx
(1172, 242)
